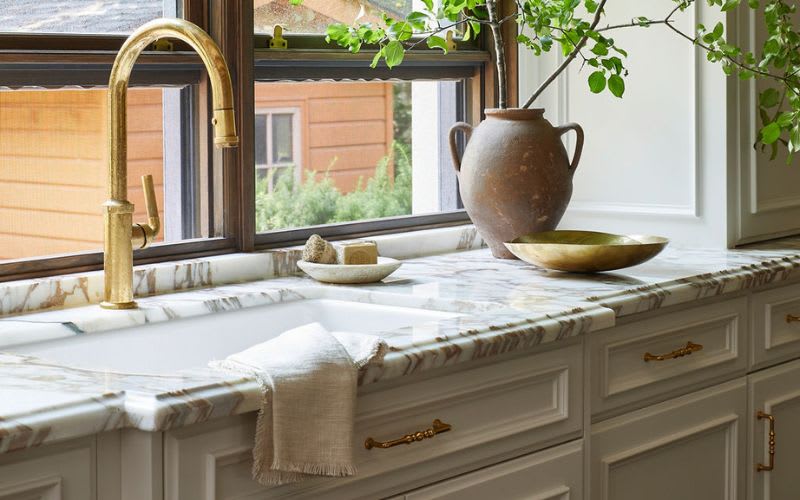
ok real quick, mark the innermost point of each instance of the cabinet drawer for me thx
(63, 471)
(646, 361)
(554, 474)
(775, 336)
(518, 405)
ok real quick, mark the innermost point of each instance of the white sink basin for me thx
(193, 342)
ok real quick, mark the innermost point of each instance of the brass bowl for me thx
(585, 251)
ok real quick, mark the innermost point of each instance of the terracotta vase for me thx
(515, 176)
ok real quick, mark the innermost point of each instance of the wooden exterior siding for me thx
(53, 154)
(53, 167)
(346, 128)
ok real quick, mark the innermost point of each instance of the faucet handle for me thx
(144, 234)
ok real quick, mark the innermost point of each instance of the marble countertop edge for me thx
(500, 307)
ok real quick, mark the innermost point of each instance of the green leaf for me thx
(428, 4)
(619, 51)
(719, 30)
(794, 139)
(418, 20)
(437, 42)
(600, 49)
(597, 82)
(769, 98)
(338, 33)
(770, 133)
(393, 52)
(784, 120)
(376, 59)
(616, 85)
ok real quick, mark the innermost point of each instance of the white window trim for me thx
(296, 140)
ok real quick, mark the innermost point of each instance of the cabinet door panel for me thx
(776, 392)
(775, 335)
(554, 474)
(62, 471)
(690, 448)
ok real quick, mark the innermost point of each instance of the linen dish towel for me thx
(309, 378)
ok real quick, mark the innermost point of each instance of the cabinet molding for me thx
(775, 391)
(552, 474)
(621, 379)
(773, 338)
(690, 447)
(48, 488)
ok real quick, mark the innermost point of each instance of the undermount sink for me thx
(193, 342)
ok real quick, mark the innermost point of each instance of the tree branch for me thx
(569, 58)
(500, 53)
(788, 81)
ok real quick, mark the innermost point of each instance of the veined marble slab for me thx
(505, 306)
(154, 279)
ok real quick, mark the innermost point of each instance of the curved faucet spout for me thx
(120, 232)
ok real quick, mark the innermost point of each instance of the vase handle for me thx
(467, 129)
(578, 143)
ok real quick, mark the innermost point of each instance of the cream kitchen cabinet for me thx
(63, 471)
(775, 403)
(691, 448)
(553, 474)
(497, 411)
(637, 411)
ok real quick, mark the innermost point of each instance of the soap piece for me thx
(318, 250)
(357, 253)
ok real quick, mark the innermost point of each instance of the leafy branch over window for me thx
(545, 24)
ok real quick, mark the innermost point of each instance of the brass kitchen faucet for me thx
(121, 234)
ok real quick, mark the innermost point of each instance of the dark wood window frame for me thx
(85, 60)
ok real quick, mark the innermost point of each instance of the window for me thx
(328, 145)
(278, 144)
(53, 130)
(79, 16)
(53, 167)
(313, 16)
(370, 148)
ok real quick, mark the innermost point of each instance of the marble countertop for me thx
(503, 306)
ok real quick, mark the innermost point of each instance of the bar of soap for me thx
(357, 253)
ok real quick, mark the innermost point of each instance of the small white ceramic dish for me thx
(350, 274)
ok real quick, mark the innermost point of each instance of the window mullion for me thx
(231, 25)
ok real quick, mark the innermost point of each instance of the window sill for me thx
(75, 290)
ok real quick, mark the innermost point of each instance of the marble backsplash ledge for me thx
(57, 292)
(77, 290)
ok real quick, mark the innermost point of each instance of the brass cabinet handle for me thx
(791, 318)
(686, 350)
(438, 428)
(761, 467)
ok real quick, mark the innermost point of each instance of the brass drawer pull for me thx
(438, 428)
(791, 318)
(686, 350)
(761, 467)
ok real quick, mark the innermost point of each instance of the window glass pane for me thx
(261, 144)
(282, 138)
(362, 150)
(80, 16)
(313, 16)
(53, 168)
